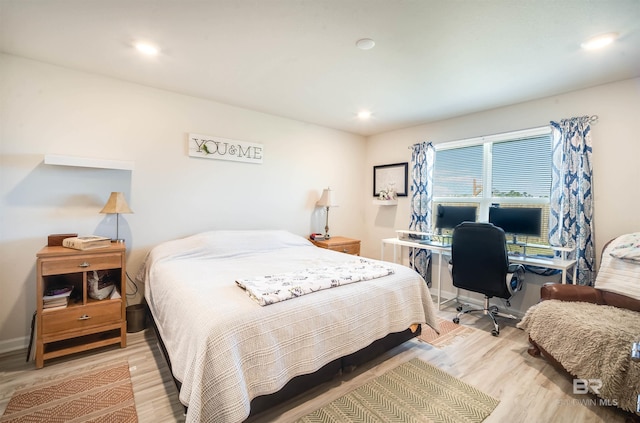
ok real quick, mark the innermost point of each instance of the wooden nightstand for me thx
(341, 244)
(85, 323)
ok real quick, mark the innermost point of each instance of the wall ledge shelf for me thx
(385, 202)
(62, 160)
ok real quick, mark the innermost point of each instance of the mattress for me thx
(226, 349)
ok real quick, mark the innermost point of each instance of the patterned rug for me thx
(100, 395)
(413, 392)
(449, 332)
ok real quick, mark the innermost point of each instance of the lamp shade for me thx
(116, 204)
(327, 199)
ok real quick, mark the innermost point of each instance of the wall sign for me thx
(224, 149)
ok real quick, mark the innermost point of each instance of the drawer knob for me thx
(84, 317)
(84, 264)
(345, 250)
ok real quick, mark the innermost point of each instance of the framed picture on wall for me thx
(391, 176)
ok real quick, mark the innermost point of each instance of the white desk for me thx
(439, 250)
(560, 264)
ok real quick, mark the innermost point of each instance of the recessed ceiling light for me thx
(147, 49)
(599, 41)
(365, 44)
(364, 115)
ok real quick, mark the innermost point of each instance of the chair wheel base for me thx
(495, 332)
(459, 308)
(456, 320)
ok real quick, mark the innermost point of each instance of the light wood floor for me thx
(529, 389)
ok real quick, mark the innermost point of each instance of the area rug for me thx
(413, 392)
(100, 395)
(449, 332)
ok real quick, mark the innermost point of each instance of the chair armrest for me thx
(557, 291)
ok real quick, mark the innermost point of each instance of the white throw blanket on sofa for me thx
(619, 272)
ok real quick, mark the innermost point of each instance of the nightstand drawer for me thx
(339, 243)
(346, 248)
(74, 318)
(81, 264)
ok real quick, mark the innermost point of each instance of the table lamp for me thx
(116, 204)
(327, 201)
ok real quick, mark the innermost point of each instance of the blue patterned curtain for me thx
(571, 206)
(422, 159)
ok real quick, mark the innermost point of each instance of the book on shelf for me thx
(86, 242)
(55, 304)
(55, 298)
(57, 291)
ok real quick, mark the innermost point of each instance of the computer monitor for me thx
(517, 220)
(448, 217)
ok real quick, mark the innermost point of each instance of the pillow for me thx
(627, 247)
(219, 244)
(252, 240)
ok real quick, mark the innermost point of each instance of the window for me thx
(512, 169)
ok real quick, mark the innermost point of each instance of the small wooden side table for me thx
(84, 323)
(340, 243)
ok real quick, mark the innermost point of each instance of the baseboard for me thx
(14, 344)
(480, 303)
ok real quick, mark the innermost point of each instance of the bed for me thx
(225, 349)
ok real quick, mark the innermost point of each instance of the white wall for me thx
(49, 109)
(616, 149)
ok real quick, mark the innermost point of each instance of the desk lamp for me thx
(327, 201)
(116, 204)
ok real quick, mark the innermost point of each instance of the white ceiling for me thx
(298, 59)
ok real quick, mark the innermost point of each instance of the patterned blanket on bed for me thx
(271, 289)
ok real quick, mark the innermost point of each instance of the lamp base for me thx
(118, 241)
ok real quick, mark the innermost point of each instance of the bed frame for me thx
(303, 383)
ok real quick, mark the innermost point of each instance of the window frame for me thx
(483, 201)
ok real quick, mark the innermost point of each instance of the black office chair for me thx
(479, 263)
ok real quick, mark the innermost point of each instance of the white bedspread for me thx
(226, 349)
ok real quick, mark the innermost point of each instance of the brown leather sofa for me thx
(550, 291)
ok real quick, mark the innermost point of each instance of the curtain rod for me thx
(592, 119)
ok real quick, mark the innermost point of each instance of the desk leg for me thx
(575, 273)
(439, 278)
(564, 276)
(413, 254)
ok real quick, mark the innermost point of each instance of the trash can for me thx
(136, 318)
